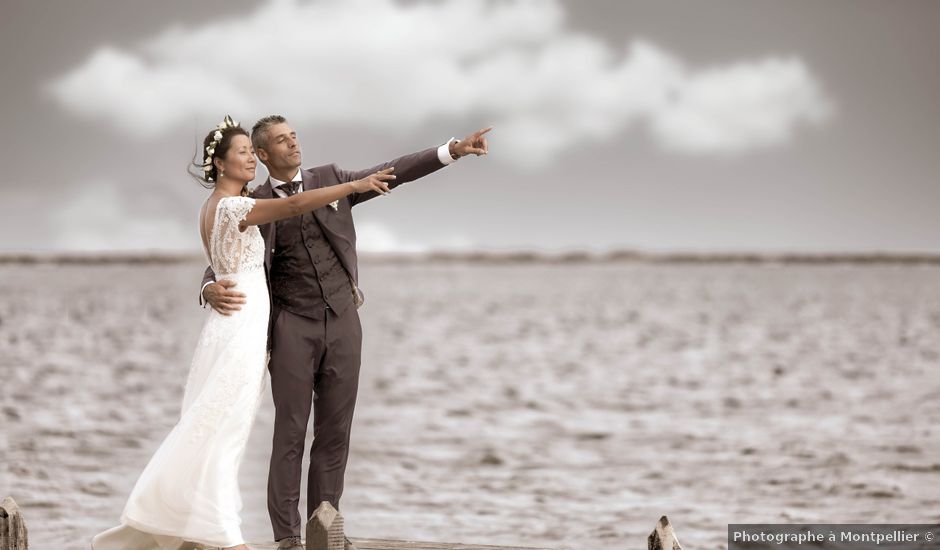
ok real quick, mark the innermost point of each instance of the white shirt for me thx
(276, 184)
(443, 154)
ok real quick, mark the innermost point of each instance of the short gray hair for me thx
(259, 132)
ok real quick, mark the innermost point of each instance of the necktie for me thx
(290, 188)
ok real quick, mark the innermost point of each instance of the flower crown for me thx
(226, 123)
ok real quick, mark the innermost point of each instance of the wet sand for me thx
(565, 405)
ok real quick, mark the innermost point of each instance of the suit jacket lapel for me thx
(265, 191)
(312, 181)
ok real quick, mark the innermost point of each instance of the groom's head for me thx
(276, 144)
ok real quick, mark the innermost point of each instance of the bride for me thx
(188, 493)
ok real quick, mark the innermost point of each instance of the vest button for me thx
(309, 245)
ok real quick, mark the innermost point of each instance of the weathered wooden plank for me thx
(382, 544)
(378, 544)
(12, 527)
(325, 531)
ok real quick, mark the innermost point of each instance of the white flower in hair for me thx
(226, 123)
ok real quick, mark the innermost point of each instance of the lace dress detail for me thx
(188, 492)
(231, 250)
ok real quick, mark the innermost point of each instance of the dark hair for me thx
(208, 178)
(259, 132)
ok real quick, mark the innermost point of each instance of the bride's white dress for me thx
(188, 492)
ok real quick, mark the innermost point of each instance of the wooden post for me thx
(325, 529)
(12, 526)
(663, 537)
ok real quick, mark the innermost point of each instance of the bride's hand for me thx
(374, 182)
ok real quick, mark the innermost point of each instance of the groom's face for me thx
(282, 151)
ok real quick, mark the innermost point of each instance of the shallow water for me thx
(567, 406)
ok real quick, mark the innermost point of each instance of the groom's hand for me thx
(222, 298)
(474, 144)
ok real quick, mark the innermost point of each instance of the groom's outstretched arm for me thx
(407, 168)
(417, 165)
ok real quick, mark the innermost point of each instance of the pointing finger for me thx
(479, 133)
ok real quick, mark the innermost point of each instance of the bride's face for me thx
(239, 162)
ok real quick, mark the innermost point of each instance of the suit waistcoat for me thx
(306, 275)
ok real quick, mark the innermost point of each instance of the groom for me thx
(315, 337)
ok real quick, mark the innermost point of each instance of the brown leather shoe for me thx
(290, 543)
(348, 544)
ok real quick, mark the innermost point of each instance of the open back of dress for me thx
(189, 489)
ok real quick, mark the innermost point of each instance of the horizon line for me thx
(494, 256)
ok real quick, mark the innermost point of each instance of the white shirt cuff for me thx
(203, 289)
(443, 153)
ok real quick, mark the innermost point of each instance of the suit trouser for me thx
(313, 362)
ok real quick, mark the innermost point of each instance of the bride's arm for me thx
(270, 210)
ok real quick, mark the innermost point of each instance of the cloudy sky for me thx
(681, 125)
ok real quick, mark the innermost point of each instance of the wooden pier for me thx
(13, 535)
(382, 544)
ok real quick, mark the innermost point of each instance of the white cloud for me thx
(142, 98)
(375, 237)
(381, 65)
(740, 107)
(99, 216)
(96, 219)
